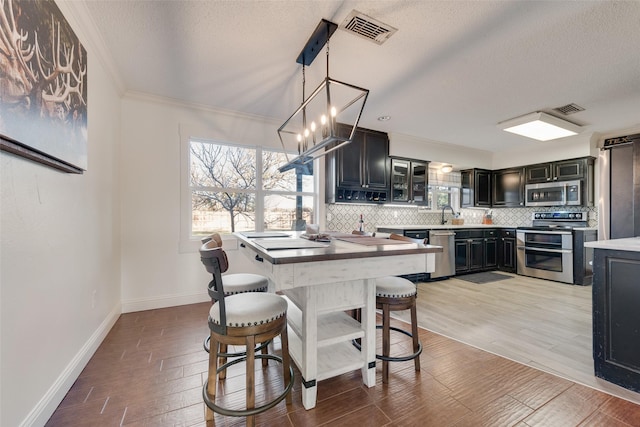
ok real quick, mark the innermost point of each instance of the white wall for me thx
(416, 148)
(60, 263)
(581, 145)
(156, 272)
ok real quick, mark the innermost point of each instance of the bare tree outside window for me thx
(235, 182)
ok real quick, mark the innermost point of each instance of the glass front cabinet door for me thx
(400, 180)
(409, 181)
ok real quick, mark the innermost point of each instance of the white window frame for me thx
(190, 243)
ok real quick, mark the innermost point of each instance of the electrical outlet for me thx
(328, 217)
(93, 298)
(395, 214)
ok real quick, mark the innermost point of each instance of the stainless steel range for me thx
(553, 247)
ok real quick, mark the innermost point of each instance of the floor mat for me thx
(484, 277)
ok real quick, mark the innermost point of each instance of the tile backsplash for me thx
(344, 217)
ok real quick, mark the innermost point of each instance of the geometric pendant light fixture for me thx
(312, 130)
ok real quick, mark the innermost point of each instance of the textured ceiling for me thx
(452, 71)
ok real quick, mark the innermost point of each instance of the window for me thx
(441, 196)
(444, 189)
(239, 188)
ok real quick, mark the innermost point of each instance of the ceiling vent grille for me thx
(365, 26)
(569, 109)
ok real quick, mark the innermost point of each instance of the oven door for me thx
(545, 255)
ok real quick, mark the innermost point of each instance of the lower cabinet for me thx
(469, 255)
(477, 250)
(616, 318)
(490, 249)
(507, 250)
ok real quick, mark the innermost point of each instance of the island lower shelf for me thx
(336, 354)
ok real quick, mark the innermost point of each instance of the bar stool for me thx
(242, 319)
(395, 294)
(235, 283)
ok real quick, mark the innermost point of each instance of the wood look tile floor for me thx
(150, 369)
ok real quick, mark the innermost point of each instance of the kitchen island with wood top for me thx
(323, 280)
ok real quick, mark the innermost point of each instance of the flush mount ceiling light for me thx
(540, 126)
(312, 130)
(446, 168)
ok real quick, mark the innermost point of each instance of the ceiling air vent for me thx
(365, 26)
(568, 109)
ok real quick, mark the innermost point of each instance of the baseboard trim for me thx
(47, 405)
(152, 303)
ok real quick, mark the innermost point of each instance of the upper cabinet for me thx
(476, 188)
(409, 181)
(565, 170)
(359, 171)
(508, 187)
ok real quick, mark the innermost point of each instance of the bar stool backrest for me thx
(215, 261)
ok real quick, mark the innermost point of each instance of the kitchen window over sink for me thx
(235, 187)
(444, 189)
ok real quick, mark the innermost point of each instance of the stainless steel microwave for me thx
(557, 193)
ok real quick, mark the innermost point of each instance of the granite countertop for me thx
(629, 244)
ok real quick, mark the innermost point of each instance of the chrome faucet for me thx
(444, 221)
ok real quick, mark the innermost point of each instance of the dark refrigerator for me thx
(619, 204)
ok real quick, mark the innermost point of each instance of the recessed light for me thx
(384, 118)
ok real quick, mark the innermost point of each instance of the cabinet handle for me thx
(242, 245)
(259, 258)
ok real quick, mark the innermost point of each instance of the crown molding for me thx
(157, 99)
(77, 13)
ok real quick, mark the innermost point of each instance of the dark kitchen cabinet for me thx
(476, 188)
(565, 170)
(490, 249)
(507, 250)
(508, 188)
(616, 318)
(469, 251)
(359, 171)
(476, 250)
(409, 181)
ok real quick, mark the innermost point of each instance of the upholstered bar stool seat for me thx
(239, 283)
(394, 294)
(249, 310)
(395, 287)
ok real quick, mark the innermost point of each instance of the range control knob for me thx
(536, 216)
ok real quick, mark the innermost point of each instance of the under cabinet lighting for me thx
(540, 126)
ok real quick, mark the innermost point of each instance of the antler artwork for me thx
(47, 76)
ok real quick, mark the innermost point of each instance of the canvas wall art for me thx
(43, 85)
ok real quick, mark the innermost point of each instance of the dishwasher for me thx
(445, 265)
